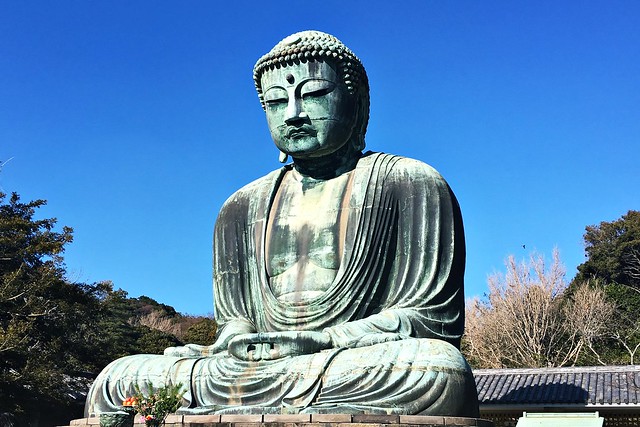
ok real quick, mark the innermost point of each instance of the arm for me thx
(231, 252)
(414, 239)
(276, 345)
(227, 333)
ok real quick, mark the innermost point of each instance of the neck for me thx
(330, 166)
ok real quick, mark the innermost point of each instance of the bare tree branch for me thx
(528, 321)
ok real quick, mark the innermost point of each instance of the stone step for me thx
(304, 420)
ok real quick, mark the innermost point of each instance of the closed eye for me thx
(316, 88)
(316, 93)
(275, 96)
(275, 102)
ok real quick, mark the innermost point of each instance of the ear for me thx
(283, 157)
(360, 124)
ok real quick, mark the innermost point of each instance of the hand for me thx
(227, 333)
(194, 350)
(276, 345)
(377, 338)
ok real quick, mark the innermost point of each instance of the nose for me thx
(294, 111)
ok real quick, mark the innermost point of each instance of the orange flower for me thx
(149, 417)
(129, 401)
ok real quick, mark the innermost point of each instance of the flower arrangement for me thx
(128, 405)
(154, 404)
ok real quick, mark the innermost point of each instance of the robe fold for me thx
(400, 280)
(402, 267)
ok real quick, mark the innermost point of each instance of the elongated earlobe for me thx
(360, 128)
(283, 157)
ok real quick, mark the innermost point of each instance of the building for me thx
(613, 391)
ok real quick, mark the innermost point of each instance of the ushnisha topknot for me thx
(309, 45)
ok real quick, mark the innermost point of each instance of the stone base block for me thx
(308, 420)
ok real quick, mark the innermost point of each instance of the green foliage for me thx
(613, 251)
(621, 341)
(146, 305)
(41, 314)
(203, 332)
(120, 338)
(56, 336)
(624, 342)
(155, 403)
(121, 333)
(613, 258)
(153, 341)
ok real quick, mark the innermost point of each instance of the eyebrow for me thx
(297, 83)
(275, 86)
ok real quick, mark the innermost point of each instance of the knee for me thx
(435, 354)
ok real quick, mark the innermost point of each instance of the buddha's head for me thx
(315, 94)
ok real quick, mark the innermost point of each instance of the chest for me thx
(306, 222)
(306, 203)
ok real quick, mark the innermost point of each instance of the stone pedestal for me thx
(305, 420)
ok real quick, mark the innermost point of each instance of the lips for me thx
(300, 132)
(297, 134)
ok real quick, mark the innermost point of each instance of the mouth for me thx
(301, 132)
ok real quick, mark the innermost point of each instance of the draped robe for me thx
(400, 278)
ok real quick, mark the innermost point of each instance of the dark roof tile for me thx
(595, 385)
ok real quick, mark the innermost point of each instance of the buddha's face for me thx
(309, 109)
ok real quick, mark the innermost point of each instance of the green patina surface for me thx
(338, 279)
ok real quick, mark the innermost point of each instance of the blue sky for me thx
(136, 120)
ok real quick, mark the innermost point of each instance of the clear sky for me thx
(137, 119)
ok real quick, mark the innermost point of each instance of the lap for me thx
(413, 353)
(406, 377)
(389, 374)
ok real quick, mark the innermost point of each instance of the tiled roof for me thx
(585, 385)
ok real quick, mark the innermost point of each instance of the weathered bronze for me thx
(338, 279)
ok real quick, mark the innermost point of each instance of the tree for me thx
(613, 258)
(613, 251)
(624, 331)
(133, 326)
(157, 320)
(55, 335)
(38, 311)
(588, 312)
(154, 341)
(529, 321)
(519, 325)
(203, 332)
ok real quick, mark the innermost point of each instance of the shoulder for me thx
(412, 182)
(403, 170)
(250, 193)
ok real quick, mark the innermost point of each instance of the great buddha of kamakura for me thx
(338, 278)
